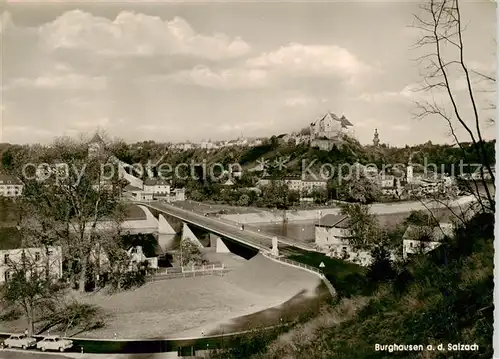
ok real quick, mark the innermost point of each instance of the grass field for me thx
(186, 307)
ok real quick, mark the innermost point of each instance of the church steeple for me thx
(376, 140)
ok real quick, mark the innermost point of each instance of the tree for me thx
(244, 200)
(276, 195)
(72, 315)
(363, 226)
(319, 195)
(381, 267)
(29, 288)
(444, 63)
(68, 206)
(189, 254)
(7, 159)
(420, 218)
(355, 185)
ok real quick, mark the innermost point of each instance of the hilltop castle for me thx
(330, 126)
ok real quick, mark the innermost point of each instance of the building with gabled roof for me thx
(10, 186)
(331, 235)
(423, 239)
(40, 259)
(96, 145)
(158, 186)
(330, 126)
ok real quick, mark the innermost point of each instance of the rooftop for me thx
(428, 233)
(155, 182)
(96, 139)
(333, 220)
(6, 179)
(343, 120)
(130, 188)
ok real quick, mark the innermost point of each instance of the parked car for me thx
(19, 341)
(54, 343)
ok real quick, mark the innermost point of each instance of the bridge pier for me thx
(164, 227)
(274, 250)
(187, 234)
(217, 243)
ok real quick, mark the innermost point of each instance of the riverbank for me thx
(274, 216)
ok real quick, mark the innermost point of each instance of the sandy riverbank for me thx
(271, 217)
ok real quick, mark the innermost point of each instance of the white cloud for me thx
(224, 79)
(136, 34)
(246, 126)
(83, 102)
(62, 67)
(367, 123)
(291, 61)
(483, 67)
(300, 100)
(60, 81)
(401, 127)
(309, 60)
(31, 130)
(408, 93)
(99, 122)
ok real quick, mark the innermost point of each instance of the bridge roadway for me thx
(226, 229)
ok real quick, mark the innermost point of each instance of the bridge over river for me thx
(225, 228)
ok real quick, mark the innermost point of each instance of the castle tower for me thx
(376, 140)
(409, 171)
(96, 146)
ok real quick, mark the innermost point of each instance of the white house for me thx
(330, 126)
(387, 181)
(185, 146)
(303, 185)
(331, 236)
(423, 239)
(159, 187)
(209, 145)
(42, 258)
(10, 186)
(138, 193)
(308, 185)
(179, 194)
(255, 142)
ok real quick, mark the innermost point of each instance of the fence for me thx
(219, 272)
(187, 272)
(190, 269)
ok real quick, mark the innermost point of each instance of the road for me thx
(32, 354)
(227, 229)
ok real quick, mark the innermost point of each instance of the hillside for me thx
(347, 150)
(446, 297)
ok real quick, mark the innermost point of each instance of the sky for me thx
(176, 71)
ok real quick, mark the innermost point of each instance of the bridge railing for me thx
(253, 230)
(319, 272)
(298, 264)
